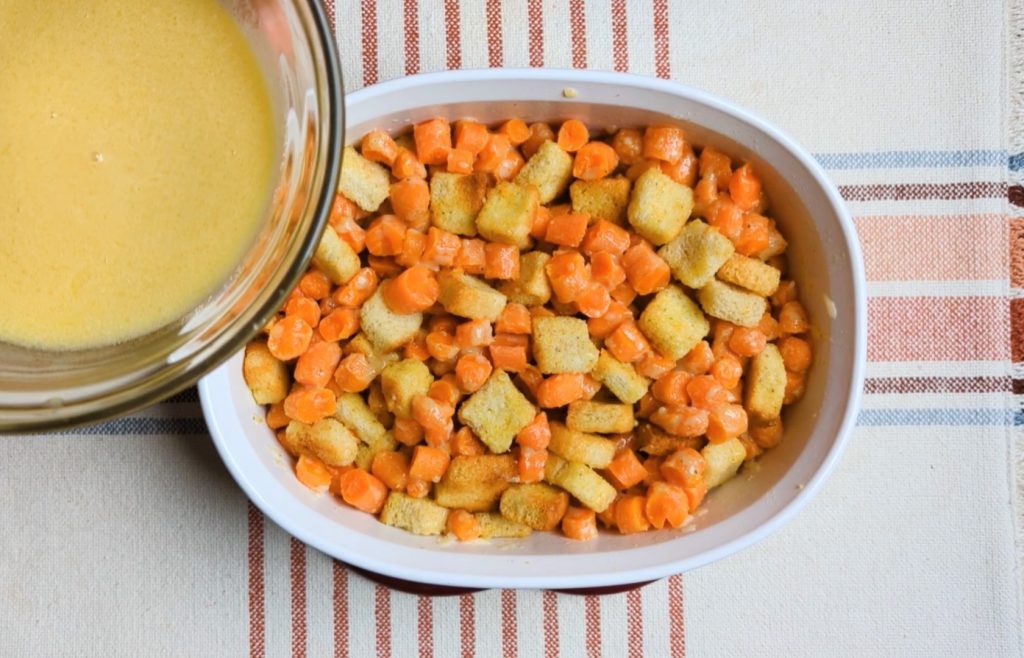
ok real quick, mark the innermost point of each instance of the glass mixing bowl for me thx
(295, 47)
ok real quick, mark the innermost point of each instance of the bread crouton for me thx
(267, 378)
(507, 214)
(403, 380)
(659, 206)
(562, 344)
(537, 505)
(496, 526)
(723, 460)
(355, 414)
(497, 412)
(386, 329)
(582, 447)
(455, 200)
(475, 482)
(620, 378)
(580, 481)
(548, 170)
(326, 439)
(335, 258)
(532, 288)
(658, 443)
(363, 182)
(600, 417)
(376, 357)
(420, 516)
(604, 198)
(469, 297)
(673, 323)
(697, 253)
(766, 384)
(750, 273)
(728, 302)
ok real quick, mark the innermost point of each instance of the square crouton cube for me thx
(573, 445)
(336, 258)
(455, 200)
(766, 384)
(466, 296)
(549, 170)
(562, 344)
(532, 288)
(386, 329)
(600, 417)
(659, 206)
(475, 482)
(581, 481)
(420, 516)
(620, 378)
(362, 181)
(697, 253)
(496, 526)
(654, 441)
(355, 414)
(723, 460)
(537, 505)
(267, 378)
(755, 275)
(507, 214)
(326, 439)
(403, 380)
(497, 412)
(727, 302)
(604, 198)
(673, 323)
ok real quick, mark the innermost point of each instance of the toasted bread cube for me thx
(532, 288)
(697, 253)
(658, 443)
(582, 447)
(549, 170)
(364, 182)
(468, 297)
(673, 323)
(537, 505)
(386, 329)
(507, 214)
(496, 526)
(620, 378)
(604, 198)
(727, 302)
(326, 439)
(562, 344)
(659, 206)
(267, 378)
(420, 516)
(455, 200)
(723, 460)
(756, 276)
(377, 358)
(497, 412)
(580, 481)
(401, 382)
(766, 384)
(355, 414)
(475, 482)
(335, 258)
(600, 417)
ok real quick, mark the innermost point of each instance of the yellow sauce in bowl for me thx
(136, 147)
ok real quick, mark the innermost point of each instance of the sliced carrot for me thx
(539, 133)
(606, 270)
(594, 300)
(665, 143)
(342, 210)
(514, 319)
(530, 464)
(754, 234)
(796, 353)
(684, 467)
(460, 161)
(441, 248)
(602, 235)
(769, 326)
(727, 370)
(683, 171)
(745, 187)
(385, 235)
(681, 421)
(695, 494)
(358, 289)
(705, 198)
(567, 229)
(327, 304)
(313, 473)
(354, 373)
(705, 392)
(414, 290)
(626, 470)
(470, 136)
(474, 333)
(747, 341)
(412, 248)
(316, 366)
(417, 488)
(314, 284)
(416, 347)
(699, 359)
(510, 358)
(716, 165)
(276, 417)
(572, 135)
(559, 390)
(786, 292)
(305, 308)
(726, 421)
(363, 491)
(670, 388)
(501, 261)
(646, 271)
(531, 378)
(603, 326)
(407, 165)
(407, 431)
(464, 442)
(795, 384)
(516, 130)
(472, 257)
(410, 200)
(435, 417)
(579, 523)
(308, 405)
(445, 390)
(638, 168)
(391, 468)
(442, 346)
(630, 516)
(647, 406)
(541, 219)
(653, 365)
(472, 371)
(567, 272)
(628, 144)
(653, 467)
(493, 153)
(666, 504)
(627, 343)
(433, 140)
(289, 337)
(537, 434)
(793, 318)
(509, 166)
(594, 161)
(463, 525)
(378, 146)
(428, 464)
(623, 292)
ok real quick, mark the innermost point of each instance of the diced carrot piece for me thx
(441, 247)
(681, 421)
(754, 235)
(567, 272)
(727, 218)
(407, 431)
(541, 219)
(465, 443)
(385, 235)
(623, 292)
(410, 199)
(276, 417)
(539, 133)
(460, 161)
(537, 434)
(646, 406)
(594, 160)
(626, 470)
(705, 392)
(653, 467)
(414, 290)
(463, 525)
(699, 359)
(378, 146)
(313, 473)
(745, 187)
(726, 421)
(683, 171)
(514, 319)
(472, 257)
(716, 165)
(606, 270)
(572, 135)
(472, 371)
(567, 229)
(474, 333)
(428, 464)
(516, 130)
(695, 494)
(666, 504)
(579, 523)
(559, 390)
(354, 373)
(796, 353)
(289, 337)
(511, 358)
(590, 386)
(531, 378)
(327, 304)
(727, 370)
(416, 348)
(670, 388)
(308, 405)
(541, 312)
(314, 284)
(509, 166)
(445, 389)
(433, 140)
(501, 261)
(470, 136)
(630, 516)
(363, 491)
(629, 145)
(435, 417)
(391, 468)
(594, 300)
(305, 308)
(316, 366)
(342, 210)
(627, 343)
(653, 365)
(605, 236)
(417, 488)
(747, 341)
(645, 270)
(358, 289)
(684, 467)
(664, 143)
(493, 153)
(407, 165)
(442, 345)
(603, 326)
(530, 464)
(412, 248)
